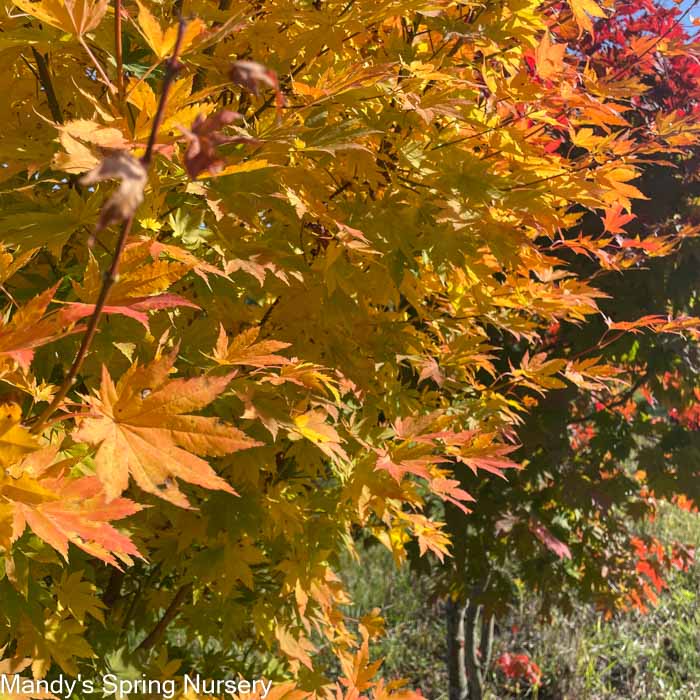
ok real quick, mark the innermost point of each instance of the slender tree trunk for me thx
(456, 667)
(486, 644)
(475, 674)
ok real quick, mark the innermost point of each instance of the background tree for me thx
(598, 458)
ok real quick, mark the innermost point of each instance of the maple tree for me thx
(319, 296)
(600, 456)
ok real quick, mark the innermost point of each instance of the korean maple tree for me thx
(263, 267)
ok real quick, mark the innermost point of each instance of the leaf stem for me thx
(172, 67)
(145, 76)
(4, 290)
(623, 398)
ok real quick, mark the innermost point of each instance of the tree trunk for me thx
(486, 643)
(475, 674)
(469, 649)
(456, 667)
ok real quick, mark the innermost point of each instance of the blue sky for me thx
(685, 4)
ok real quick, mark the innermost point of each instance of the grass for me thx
(414, 645)
(654, 656)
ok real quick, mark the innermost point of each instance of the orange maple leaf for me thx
(614, 219)
(296, 649)
(59, 510)
(30, 328)
(549, 57)
(141, 427)
(398, 467)
(246, 349)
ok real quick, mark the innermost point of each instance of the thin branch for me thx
(168, 616)
(198, 82)
(145, 76)
(341, 189)
(96, 63)
(475, 672)
(31, 68)
(4, 290)
(658, 41)
(539, 128)
(268, 102)
(506, 121)
(118, 48)
(347, 8)
(93, 238)
(623, 398)
(548, 178)
(268, 312)
(113, 590)
(90, 330)
(45, 80)
(65, 416)
(144, 583)
(172, 67)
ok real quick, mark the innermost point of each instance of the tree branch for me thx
(268, 312)
(90, 331)
(96, 63)
(172, 67)
(168, 616)
(456, 667)
(198, 82)
(488, 623)
(114, 587)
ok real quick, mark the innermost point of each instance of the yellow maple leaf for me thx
(162, 41)
(73, 16)
(140, 279)
(312, 426)
(60, 640)
(582, 9)
(15, 440)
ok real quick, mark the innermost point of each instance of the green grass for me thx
(654, 656)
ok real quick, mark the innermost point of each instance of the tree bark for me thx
(456, 667)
